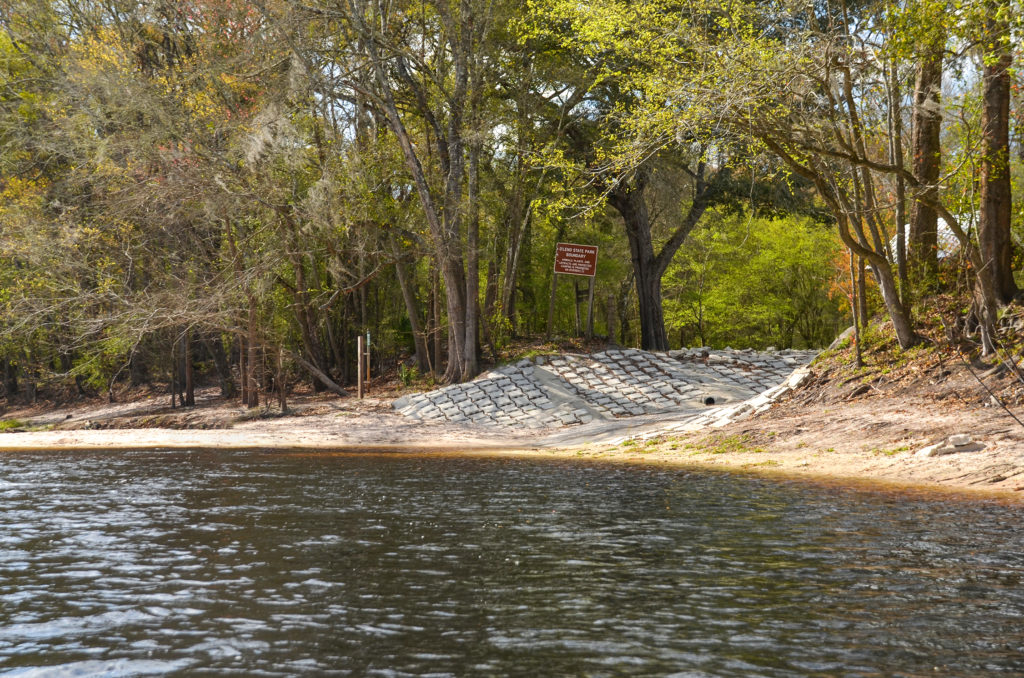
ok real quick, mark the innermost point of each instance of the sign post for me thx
(573, 259)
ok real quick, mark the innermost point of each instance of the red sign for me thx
(575, 259)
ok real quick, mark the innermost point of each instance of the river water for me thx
(271, 564)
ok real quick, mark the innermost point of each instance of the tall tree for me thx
(629, 198)
(996, 196)
(415, 65)
(926, 164)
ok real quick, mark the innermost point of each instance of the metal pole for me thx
(360, 365)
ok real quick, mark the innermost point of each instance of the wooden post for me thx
(590, 310)
(551, 305)
(360, 365)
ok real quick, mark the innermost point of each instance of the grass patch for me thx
(10, 424)
(729, 444)
(890, 452)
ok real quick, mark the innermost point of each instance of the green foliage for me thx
(158, 175)
(890, 451)
(10, 424)
(729, 444)
(407, 375)
(753, 282)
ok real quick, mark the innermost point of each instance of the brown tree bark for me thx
(896, 157)
(243, 372)
(996, 199)
(444, 223)
(862, 293)
(252, 357)
(215, 347)
(280, 379)
(436, 343)
(413, 311)
(926, 152)
(186, 356)
(305, 316)
(628, 199)
(10, 379)
(470, 358)
(174, 373)
(865, 243)
(331, 385)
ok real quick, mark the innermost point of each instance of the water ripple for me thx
(258, 564)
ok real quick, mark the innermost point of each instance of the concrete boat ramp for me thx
(615, 395)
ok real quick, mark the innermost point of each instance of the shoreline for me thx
(857, 471)
(873, 440)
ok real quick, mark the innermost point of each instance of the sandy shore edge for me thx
(901, 473)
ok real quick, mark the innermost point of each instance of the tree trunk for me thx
(253, 392)
(896, 151)
(444, 224)
(186, 356)
(346, 341)
(413, 311)
(435, 321)
(649, 268)
(652, 322)
(243, 372)
(624, 298)
(470, 359)
(282, 388)
(306, 320)
(331, 385)
(926, 150)
(517, 221)
(10, 379)
(138, 370)
(31, 387)
(631, 206)
(215, 347)
(858, 358)
(862, 293)
(905, 334)
(996, 200)
(609, 317)
(456, 304)
(882, 270)
(174, 373)
(491, 291)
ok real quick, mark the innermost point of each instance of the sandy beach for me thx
(866, 440)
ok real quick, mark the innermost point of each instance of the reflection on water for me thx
(281, 565)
